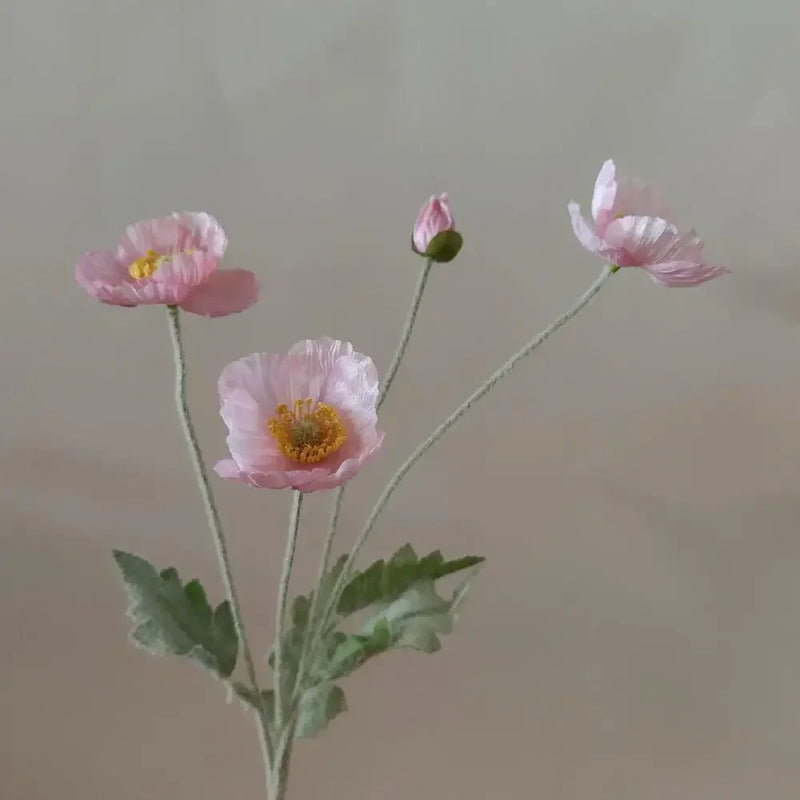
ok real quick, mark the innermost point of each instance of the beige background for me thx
(635, 634)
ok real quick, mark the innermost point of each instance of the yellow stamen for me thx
(307, 432)
(145, 266)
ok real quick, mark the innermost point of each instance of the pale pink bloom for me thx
(433, 218)
(171, 261)
(304, 419)
(632, 227)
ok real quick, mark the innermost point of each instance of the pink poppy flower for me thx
(305, 419)
(170, 261)
(633, 228)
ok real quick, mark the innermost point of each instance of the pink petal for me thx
(642, 240)
(352, 387)
(103, 277)
(586, 234)
(323, 352)
(637, 198)
(164, 236)
(227, 291)
(305, 480)
(433, 218)
(190, 270)
(616, 197)
(250, 382)
(605, 190)
(204, 232)
(683, 273)
(257, 451)
(312, 360)
(107, 279)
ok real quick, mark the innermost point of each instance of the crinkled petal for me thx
(204, 232)
(312, 361)
(107, 279)
(352, 387)
(683, 273)
(186, 269)
(636, 198)
(586, 234)
(605, 190)
(305, 480)
(227, 291)
(641, 240)
(253, 382)
(323, 351)
(164, 236)
(102, 275)
(616, 197)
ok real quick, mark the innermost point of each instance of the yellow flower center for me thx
(146, 265)
(307, 432)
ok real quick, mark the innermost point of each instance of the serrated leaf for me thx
(353, 650)
(416, 619)
(176, 619)
(383, 581)
(318, 706)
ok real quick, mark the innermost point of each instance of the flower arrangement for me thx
(307, 420)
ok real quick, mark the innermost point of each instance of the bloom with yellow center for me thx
(169, 261)
(303, 419)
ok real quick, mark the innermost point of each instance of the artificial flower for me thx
(631, 227)
(434, 235)
(304, 419)
(169, 261)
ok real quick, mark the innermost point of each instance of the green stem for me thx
(411, 318)
(280, 770)
(437, 434)
(324, 562)
(322, 571)
(280, 614)
(215, 524)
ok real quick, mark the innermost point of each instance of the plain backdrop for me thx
(635, 634)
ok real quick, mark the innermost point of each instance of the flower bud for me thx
(434, 234)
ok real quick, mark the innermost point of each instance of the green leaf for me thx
(171, 618)
(353, 650)
(383, 582)
(416, 619)
(318, 706)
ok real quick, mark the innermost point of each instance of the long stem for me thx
(280, 769)
(324, 562)
(437, 434)
(411, 318)
(322, 571)
(214, 524)
(280, 614)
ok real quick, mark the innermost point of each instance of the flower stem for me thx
(437, 434)
(322, 571)
(215, 525)
(280, 769)
(411, 318)
(324, 562)
(280, 614)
